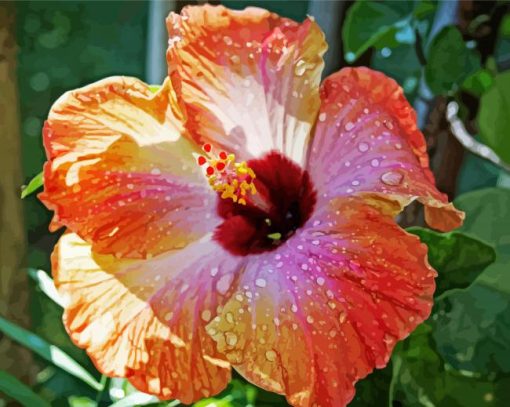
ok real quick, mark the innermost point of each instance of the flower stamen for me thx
(231, 179)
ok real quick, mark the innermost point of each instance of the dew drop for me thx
(374, 162)
(309, 319)
(320, 281)
(229, 317)
(300, 68)
(342, 317)
(349, 126)
(363, 147)
(322, 117)
(260, 282)
(206, 315)
(214, 271)
(271, 355)
(223, 283)
(392, 178)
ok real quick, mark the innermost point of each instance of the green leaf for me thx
(45, 283)
(216, 402)
(449, 61)
(373, 389)
(504, 28)
(34, 184)
(459, 259)
(75, 401)
(19, 391)
(478, 83)
(472, 327)
(401, 63)
(136, 399)
(487, 216)
(373, 23)
(421, 378)
(494, 116)
(48, 352)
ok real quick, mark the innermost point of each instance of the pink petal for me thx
(320, 313)
(367, 143)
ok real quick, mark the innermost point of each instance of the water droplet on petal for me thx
(224, 283)
(320, 280)
(309, 319)
(271, 355)
(392, 178)
(342, 317)
(300, 68)
(206, 315)
(260, 282)
(374, 162)
(349, 126)
(363, 147)
(322, 117)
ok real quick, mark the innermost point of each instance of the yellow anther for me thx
(231, 179)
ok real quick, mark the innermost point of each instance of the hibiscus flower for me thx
(241, 216)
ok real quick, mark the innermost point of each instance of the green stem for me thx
(105, 380)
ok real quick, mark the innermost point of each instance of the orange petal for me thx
(144, 319)
(248, 79)
(367, 143)
(120, 173)
(321, 312)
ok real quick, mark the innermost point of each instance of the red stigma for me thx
(207, 148)
(210, 170)
(201, 160)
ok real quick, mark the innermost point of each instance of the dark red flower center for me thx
(284, 202)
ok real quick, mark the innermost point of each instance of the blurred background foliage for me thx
(441, 52)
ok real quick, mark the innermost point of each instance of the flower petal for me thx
(249, 79)
(120, 173)
(144, 319)
(312, 318)
(367, 142)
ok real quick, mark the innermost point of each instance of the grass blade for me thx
(45, 283)
(34, 184)
(136, 399)
(49, 352)
(19, 391)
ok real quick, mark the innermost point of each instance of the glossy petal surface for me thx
(367, 142)
(315, 316)
(144, 319)
(248, 79)
(120, 173)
